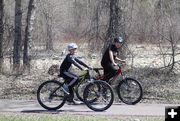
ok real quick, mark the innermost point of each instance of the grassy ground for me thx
(157, 85)
(57, 117)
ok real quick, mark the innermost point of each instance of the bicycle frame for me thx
(82, 77)
(85, 75)
(119, 72)
(101, 77)
(80, 80)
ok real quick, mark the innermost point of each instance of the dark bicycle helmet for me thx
(118, 39)
(72, 46)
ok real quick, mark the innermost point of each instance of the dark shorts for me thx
(109, 70)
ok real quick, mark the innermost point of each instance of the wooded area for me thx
(45, 25)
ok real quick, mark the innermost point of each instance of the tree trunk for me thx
(49, 42)
(17, 38)
(115, 27)
(1, 32)
(114, 20)
(47, 11)
(28, 32)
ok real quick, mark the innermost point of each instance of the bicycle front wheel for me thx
(129, 91)
(79, 89)
(101, 93)
(50, 95)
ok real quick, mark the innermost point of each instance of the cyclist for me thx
(110, 56)
(71, 78)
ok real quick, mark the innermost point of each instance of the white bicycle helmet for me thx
(72, 46)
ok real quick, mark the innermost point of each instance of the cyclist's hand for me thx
(115, 64)
(85, 69)
(123, 61)
(90, 68)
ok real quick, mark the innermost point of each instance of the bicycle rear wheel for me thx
(50, 95)
(101, 93)
(129, 91)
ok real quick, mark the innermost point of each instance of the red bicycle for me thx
(128, 89)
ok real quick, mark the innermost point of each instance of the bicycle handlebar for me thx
(97, 70)
(121, 64)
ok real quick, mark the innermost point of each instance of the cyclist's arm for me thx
(112, 57)
(82, 63)
(73, 61)
(118, 59)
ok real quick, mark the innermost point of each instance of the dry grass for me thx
(67, 117)
(157, 85)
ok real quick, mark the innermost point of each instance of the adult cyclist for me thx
(109, 58)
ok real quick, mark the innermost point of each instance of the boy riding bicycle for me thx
(110, 56)
(70, 78)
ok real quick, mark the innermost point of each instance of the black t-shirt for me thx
(106, 58)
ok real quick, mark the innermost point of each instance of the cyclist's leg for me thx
(106, 73)
(113, 70)
(110, 70)
(72, 81)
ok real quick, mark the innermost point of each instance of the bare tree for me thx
(95, 27)
(168, 34)
(115, 25)
(28, 33)
(113, 21)
(47, 11)
(17, 38)
(1, 32)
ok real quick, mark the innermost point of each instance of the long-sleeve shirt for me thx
(69, 60)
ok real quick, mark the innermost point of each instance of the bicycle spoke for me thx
(102, 93)
(50, 95)
(130, 91)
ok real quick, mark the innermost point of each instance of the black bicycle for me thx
(51, 96)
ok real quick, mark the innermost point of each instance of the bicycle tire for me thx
(79, 89)
(125, 91)
(103, 85)
(52, 94)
